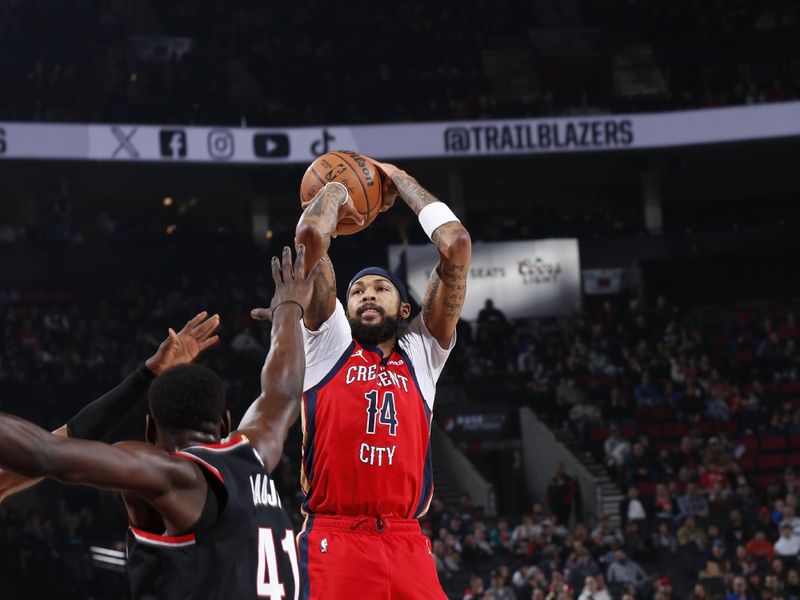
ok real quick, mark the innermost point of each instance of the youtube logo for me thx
(271, 145)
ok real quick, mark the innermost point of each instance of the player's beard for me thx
(374, 334)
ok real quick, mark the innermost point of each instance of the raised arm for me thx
(316, 227)
(266, 423)
(447, 287)
(175, 487)
(99, 418)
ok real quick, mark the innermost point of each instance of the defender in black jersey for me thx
(206, 521)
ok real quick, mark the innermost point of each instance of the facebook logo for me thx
(271, 145)
(173, 143)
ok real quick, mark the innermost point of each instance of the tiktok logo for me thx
(320, 147)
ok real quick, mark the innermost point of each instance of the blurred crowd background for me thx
(680, 386)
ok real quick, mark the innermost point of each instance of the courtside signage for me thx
(236, 145)
(534, 278)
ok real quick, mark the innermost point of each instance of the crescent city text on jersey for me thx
(377, 456)
(370, 373)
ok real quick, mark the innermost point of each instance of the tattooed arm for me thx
(315, 229)
(447, 287)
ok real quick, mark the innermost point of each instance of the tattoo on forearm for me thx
(454, 280)
(325, 209)
(324, 288)
(416, 196)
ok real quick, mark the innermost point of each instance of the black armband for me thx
(98, 419)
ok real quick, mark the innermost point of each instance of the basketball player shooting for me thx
(206, 519)
(369, 393)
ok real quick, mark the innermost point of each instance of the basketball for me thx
(358, 175)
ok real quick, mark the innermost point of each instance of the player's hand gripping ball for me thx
(357, 174)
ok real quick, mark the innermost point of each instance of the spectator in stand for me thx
(624, 570)
(618, 408)
(739, 591)
(638, 465)
(693, 503)
(735, 530)
(476, 589)
(646, 393)
(472, 554)
(771, 350)
(584, 414)
(789, 517)
(690, 533)
(492, 326)
(445, 559)
(788, 329)
(663, 469)
(616, 449)
(584, 566)
(527, 361)
(717, 561)
(498, 588)
(664, 503)
(561, 495)
(792, 587)
(686, 460)
(790, 482)
(594, 589)
(605, 534)
(631, 507)
(759, 548)
(500, 536)
(765, 522)
(524, 534)
(664, 543)
(788, 545)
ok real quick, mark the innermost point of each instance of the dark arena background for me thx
(623, 422)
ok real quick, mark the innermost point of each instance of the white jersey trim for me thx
(325, 346)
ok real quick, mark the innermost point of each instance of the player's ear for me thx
(225, 424)
(150, 434)
(405, 310)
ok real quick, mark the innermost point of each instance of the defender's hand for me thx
(184, 346)
(291, 283)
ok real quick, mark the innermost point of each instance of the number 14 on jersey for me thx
(385, 414)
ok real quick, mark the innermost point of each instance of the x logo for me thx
(125, 143)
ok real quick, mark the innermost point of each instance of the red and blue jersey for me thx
(366, 422)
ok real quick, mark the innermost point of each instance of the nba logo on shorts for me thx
(323, 545)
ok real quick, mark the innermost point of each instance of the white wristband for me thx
(434, 216)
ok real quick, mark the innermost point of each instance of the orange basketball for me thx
(358, 175)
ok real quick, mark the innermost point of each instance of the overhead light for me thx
(167, 201)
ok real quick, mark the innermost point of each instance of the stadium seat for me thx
(647, 489)
(675, 430)
(598, 434)
(775, 442)
(652, 430)
(771, 461)
(763, 480)
(747, 462)
(750, 444)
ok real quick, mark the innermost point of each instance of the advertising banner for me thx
(536, 278)
(267, 145)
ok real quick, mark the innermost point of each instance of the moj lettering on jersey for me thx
(586, 134)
